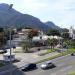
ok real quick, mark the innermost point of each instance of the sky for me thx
(61, 12)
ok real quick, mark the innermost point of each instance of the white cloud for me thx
(62, 12)
(59, 11)
(33, 5)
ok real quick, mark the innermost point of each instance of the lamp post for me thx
(10, 46)
(10, 7)
(10, 50)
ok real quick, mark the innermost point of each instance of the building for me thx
(41, 39)
(72, 32)
(18, 38)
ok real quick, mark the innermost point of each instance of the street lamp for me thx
(10, 45)
(10, 7)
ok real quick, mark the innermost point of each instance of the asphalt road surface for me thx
(64, 65)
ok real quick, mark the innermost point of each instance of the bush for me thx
(1, 64)
(72, 43)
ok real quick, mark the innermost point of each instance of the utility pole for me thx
(10, 46)
(10, 7)
(10, 52)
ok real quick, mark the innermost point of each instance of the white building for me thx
(72, 32)
(17, 39)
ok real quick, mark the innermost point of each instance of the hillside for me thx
(52, 25)
(11, 17)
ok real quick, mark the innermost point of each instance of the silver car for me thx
(48, 65)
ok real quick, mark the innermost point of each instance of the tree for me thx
(69, 43)
(2, 39)
(32, 33)
(25, 45)
(65, 35)
(72, 43)
(65, 30)
(52, 42)
(53, 32)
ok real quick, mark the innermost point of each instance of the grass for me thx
(71, 50)
(55, 56)
(72, 73)
(50, 58)
(46, 52)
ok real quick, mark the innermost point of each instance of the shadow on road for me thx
(10, 69)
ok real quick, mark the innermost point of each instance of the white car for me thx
(48, 65)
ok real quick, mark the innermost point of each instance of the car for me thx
(48, 65)
(72, 54)
(29, 66)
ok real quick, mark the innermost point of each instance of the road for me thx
(64, 65)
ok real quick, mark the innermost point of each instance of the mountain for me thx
(11, 17)
(52, 25)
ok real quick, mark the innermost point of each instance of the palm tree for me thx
(52, 42)
(25, 45)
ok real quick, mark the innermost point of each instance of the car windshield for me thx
(48, 62)
(26, 65)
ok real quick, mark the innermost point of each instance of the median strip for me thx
(53, 57)
(69, 51)
(72, 73)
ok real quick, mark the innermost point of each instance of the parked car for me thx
(29, 66)
(72, 54)
(48, 65)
